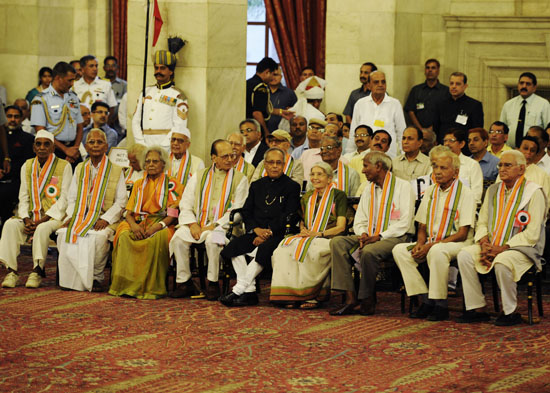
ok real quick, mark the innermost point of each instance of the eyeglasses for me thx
(321, 130)
(178, 140)
(328, 148)
(247, 130)
(228, 156)
(152, 162)
(496, 132)
(449, 140)
(362, 135)
(505, 165)
(273, 163)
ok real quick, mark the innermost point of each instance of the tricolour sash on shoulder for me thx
(384, 210)
(164, 193)
(39, 179)
(184, 171)
(504, 214)
(206, 185)
(316, 217)
(90, 196)
(450, 210)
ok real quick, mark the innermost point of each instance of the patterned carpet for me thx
(64, 341)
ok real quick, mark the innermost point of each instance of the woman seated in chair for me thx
(140, 256)
(301, 263)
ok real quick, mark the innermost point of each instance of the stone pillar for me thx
(210, 68)
(38, 34)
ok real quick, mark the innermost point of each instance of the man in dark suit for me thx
(270, 201)
(457, 110)
(255, 147)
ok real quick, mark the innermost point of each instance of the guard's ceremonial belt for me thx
(155, 132)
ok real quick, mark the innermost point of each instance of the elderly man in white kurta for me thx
(97, 197)
(380, 112)
(209, 196)
(509, 238)
(164, 105)
(183, 163)
(446, 219)
(45, 182)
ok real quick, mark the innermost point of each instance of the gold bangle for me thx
(7, 159)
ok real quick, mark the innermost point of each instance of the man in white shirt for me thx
(470, 172)
(379, 111)
(446, 224)
(526, 110)
(378, 226)
(91, 88)
(541, 159)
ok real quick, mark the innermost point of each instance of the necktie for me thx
(521, 122)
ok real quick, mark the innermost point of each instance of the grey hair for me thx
(253, 121)
(237, 133)
(97, 131)
(325, 167)
(138, 150)
(334, 139)
(430, 134)
(520, 158)
(164, 157)
(375, 157)
(444, 151)
(274, 149)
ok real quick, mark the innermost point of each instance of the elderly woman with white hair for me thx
(301, 263)
(140, 256)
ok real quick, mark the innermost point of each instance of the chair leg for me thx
(539, 293)
(530, 297)
(494, 286)
(202, 271)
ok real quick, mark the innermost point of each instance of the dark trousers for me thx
(243, 244)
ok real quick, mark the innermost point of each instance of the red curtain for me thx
(120, 34)
(298, 28)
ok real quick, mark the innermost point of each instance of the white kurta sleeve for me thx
(187, 202)
(404, 202)
(240, 194)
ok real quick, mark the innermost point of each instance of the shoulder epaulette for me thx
(181, 94)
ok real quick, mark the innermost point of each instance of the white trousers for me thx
(180, 247)
(83, 262)
(439, 258)
(246, 274)
(13, 237)
(509, 266)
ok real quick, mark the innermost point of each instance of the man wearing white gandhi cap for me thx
(184, 164)
(45, 182)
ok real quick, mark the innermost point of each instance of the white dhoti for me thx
(180, 247)
(13, 237)
(509, 266)
(439, 258)
(83, 262)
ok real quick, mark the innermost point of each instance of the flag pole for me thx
(145, 62)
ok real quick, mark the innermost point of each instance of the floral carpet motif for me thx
(64, 341)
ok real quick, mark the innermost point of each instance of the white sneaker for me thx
(11, 280)
(34, 280)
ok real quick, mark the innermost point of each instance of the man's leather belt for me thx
(155, 132)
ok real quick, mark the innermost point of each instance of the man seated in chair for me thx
(96, 200)
(292, 168)
(204, 214)
(446, 220)
(271, 200)
(384, 218)
(183, 163)
(509, 237)
(45, 182)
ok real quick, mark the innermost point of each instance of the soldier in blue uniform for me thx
(57, 110)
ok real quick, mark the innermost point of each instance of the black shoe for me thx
(97, 287)
(367, 306)
(213, 291)
(423, 311)
(439, 314)
(185, 289)
(473, 317)
(229, 299)
(509, 320)
(246, 299)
